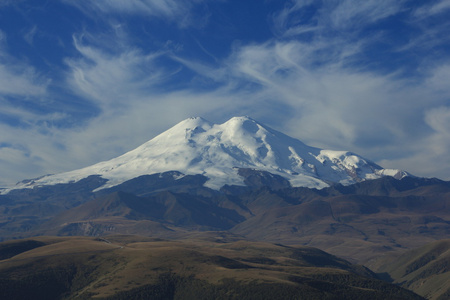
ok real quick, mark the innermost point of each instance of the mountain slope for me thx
(425, 270)
(110, 213)
(219, 151)
(133, 267)
(357, 222)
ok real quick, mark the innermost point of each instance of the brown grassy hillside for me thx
(425, 270)
(202, 267)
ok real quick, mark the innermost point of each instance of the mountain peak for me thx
(241, 120)
(195, 121)
(218, 151)
(191, 123)
(243, 123)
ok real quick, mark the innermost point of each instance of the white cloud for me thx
(10, 2)
(19, 83)
(29, 36)
(310, 89)
(170, 10)
(354, 14)
(18, 78)
(429, 156)
(25, 153)
(331, 16)
(113, 81)
(440, 7)
(333, 104)
(439, 120)
(438, 80)
(433, 8)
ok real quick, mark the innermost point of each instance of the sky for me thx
(85, 81)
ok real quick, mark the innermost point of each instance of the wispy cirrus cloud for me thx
(322, 97)
(312, 88)
(169, 10)
(328, 17)
(9, 2)
(351, 14)
(16, 77)
(332, 99)
(113, 79)
(29, 35)
(21, 87)
(313, 79)
(20, 80)
(433, 8)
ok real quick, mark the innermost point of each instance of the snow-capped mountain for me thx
(218, 151)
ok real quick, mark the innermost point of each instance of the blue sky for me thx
(85, 81)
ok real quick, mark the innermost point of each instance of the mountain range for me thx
(241, 181)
